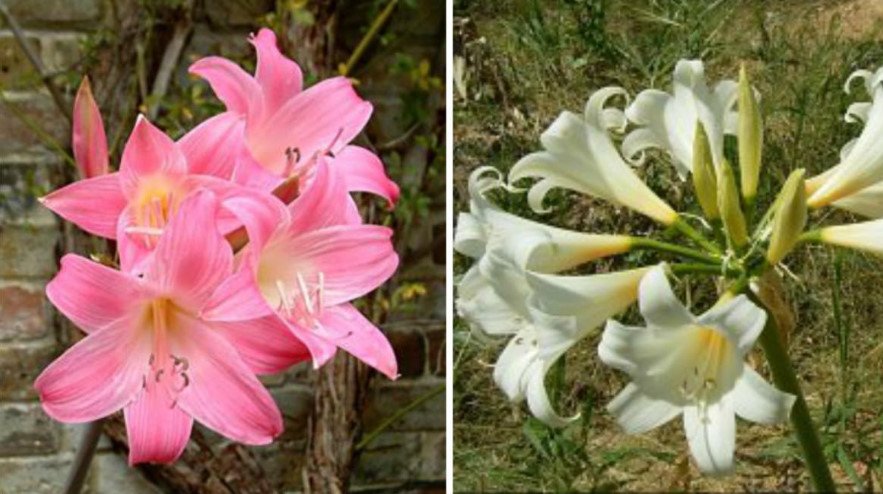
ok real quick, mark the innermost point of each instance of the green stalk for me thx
(649, 243)
(696, 268)
(786, 380)
(694, 235)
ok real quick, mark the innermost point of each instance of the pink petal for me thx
(251, 174)
(93, 204)
(148, 152)
(236, 299)
(89, 142)
(93, 295)
(223, 393)
(265, 344)
(364, 172)
(320, 349)
(157, 430)
(360, 337)
(322, 203)
(192, 258)
(98, 375)
(323, 118)
(235, 87)
(279, 77)
(209, 148)
(240, 205)
(133, 253)
(353, 259)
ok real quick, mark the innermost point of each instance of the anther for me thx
(159, 374)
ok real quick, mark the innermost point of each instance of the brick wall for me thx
(36, 452)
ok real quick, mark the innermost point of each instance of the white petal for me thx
(511, 366)
(646, 107)
(867, 202)
(639, 351)
(581, 156)
(469, 237)
(658, 303)
(637, 142)
(864, 75)
(739, 319)
(863, 165)
(556, 334)
(857, 113)
(866, 236)
(484, 309)
(538, 399)
(758, 401)
(712, 437)
(846, 149)
(637, 413)
(592, 299)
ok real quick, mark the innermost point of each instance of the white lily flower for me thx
(579, 155)
(855, 183)
(493, 294)
(668, 121)
(865, 236)
(695, 366)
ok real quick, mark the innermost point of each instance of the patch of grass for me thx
(528, 60)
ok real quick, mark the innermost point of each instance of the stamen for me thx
(321, 291)
(144, 230)
(305, 294)
(159, 374)
(333, 142)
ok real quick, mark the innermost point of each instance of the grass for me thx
(525, 62)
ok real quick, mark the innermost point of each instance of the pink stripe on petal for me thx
(322, 203)
(235, 87)
(265, 344)
(209, 148)
(149, 151)
(353, 259)
(223, 393)
(157, 430)
(89, 142)
(237, 298)
(325, 117)
(92, 295)
(97, 376)
(93, 204)
(361, 338)
(364, 172)
(192, 258)
(279, 77)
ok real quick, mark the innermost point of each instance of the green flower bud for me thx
(729, 207)
(789, 217)
(750, 134)
(704, 181)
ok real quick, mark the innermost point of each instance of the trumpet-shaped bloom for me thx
(141, 199)
(284, 129)
(695, 366)
(304, 265)
(668, 121)
(580, 155)
(865, 236)
(861, 160)
(148, 351)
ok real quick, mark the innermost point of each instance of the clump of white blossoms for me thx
(679, 364)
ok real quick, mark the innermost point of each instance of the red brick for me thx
(23, 314)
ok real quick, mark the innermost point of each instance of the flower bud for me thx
(704, 181)
(729, 207)
(750, 134)
(789, 217)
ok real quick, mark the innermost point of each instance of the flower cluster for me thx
(680, 364)
(240, 250)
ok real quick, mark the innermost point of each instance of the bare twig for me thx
(170, 58)
(83, 459)
(35, 60)
(368, 37)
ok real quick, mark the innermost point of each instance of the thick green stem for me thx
(649, 243)
(696, 268)
(786, 380)
(700, 239)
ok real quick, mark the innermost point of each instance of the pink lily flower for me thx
(286, 130)
(304, 265)
(148, 352)
(89, 142)
(154, 178)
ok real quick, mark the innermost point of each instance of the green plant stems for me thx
(700, 239)
(83, 458)
(786, 380)
(697, 268)
(649, 243)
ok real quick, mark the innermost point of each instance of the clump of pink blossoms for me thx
(181, 330)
